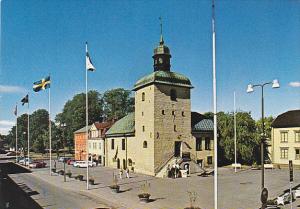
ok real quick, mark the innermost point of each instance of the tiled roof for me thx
(287, 119)
(164, 77)
(201, 123)
(103, 124)
(124, 126)
(82, 130)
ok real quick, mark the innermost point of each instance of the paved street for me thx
(236, 190)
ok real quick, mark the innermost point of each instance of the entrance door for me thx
(118, 163)
(177, 148)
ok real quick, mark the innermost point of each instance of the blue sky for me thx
(257, 41)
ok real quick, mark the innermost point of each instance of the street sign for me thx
(264, 196)
(291, 170)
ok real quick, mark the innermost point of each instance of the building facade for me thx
(80, 143)
(285, 138)
(160, 132)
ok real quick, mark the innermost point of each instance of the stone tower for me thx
(162, 114)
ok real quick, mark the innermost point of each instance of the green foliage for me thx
(117, 103)
(248, 137)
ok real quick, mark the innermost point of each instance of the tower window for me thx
(173, 112)
(174, 127)
(145, 145)
(182, 113)
(143, 128)
(163, 112)
(143, 96)
(142, 113)
(157, 135)
(173, 95)
(123, 144)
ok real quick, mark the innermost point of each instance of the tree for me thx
(117, 103)
(74, 113)
(268, 121)
(248, 145)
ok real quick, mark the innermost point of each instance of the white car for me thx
(24, 161)
(82, 164)
(285, 198)
(297, 193)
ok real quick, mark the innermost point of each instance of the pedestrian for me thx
(127, 173)
(120, 173)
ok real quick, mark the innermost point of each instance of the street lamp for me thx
(250, 89)
(62, 126)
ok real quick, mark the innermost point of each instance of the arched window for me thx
(145, 145)
(173, 95)
(143, 96)
(129, 162)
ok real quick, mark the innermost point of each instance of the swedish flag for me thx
(42, 84)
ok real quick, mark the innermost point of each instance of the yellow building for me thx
(161, 131)
(285, 138)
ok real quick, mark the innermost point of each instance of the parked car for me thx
(82, 164)
(37, 164)
(71, 161)
(285, 198)
(25, 161)
(63, 159)
(297, 193)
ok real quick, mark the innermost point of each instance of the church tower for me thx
(162, 114)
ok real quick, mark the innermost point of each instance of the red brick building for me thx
(97, 133)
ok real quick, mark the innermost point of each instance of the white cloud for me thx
(6, 123)
(4, 131)
(11, 89)
(295, 84)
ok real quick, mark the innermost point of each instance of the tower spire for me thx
(161, 41)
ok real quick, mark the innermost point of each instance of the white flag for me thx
(88, 62)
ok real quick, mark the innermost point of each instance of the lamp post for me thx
(250, 89)
(62, 126)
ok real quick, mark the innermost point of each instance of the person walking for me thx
(121, 173)
(127, 173)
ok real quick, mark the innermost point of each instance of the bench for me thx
(236, 165)
(269, 166)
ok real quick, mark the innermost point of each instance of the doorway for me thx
(177, 148)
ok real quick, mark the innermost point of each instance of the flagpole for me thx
(86, 123)
(28, 151)
(16, 133)
(234, 109)
(215, 108)
(50, 136)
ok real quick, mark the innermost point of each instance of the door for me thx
(177, 149)
(118, 163)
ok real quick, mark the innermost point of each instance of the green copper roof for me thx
(164, 77)
(124, 126)
(82, 130)
(203, 125)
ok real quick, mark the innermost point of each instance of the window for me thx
(174, 127)
(284, 153)
(143, 128)
(207, 143)
(123, 144)
(297, 152)
(145, 145)
(112, 143)
(173, 95)
(182, 114)
(157, 135)
(129, 162)
(142, 113)
(297, 136)
(209, 160)
(90, 146)
(173, 112)
(284, 136)
(143, 96)
(163, 112)
(198, 144)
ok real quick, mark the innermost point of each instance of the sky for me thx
(256, 42)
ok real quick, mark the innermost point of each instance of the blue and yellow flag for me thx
(42, 84)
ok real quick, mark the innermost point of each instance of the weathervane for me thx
(161, 31)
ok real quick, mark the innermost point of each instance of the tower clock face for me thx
(160, 60)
